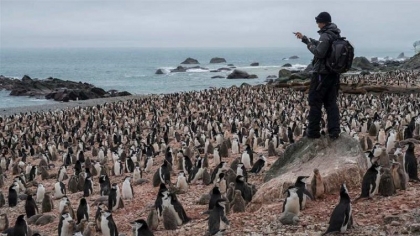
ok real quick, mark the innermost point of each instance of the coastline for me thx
(4, 112)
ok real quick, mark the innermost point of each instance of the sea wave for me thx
(197, 70)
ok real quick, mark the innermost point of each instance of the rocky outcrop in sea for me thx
(56, 89)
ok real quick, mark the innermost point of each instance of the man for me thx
(324, 83)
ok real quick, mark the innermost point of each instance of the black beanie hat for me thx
(323, 17)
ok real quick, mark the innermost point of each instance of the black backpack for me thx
(340, 56)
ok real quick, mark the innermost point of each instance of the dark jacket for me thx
(320, 48)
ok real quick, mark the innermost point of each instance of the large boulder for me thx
(287, 65)
(284, 73)
(190, 61)
(293, 57)
(179, 69)
(401, 56)
(240, 74)
(217, 60)
(413, 63)
(160, 72)
(255, 64)
(338, 161)
(26, 79)
(362, 63)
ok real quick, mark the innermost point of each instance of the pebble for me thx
(395, 223)
(414, 227)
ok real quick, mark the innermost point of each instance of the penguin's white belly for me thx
(126, 192)
(40, 195)
(345, 226)
(292, 205)
(246, 161)
(182, 184)
(105, 228)
(223, 225)
(303, 201)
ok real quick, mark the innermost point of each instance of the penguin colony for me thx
(221, 139)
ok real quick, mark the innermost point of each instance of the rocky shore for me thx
(56, 89)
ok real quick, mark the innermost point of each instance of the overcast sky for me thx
(198, 23)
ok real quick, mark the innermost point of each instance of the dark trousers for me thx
(323, 91)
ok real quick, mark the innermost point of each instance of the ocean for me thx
(133, 69)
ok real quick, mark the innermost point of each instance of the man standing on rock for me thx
(324, 83)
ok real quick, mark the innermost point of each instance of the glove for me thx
(305, 40)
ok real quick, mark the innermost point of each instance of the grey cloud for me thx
(226, 23)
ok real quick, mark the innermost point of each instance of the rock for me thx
(414, 228)
(230, 65)
(239, 74)
(160, 72)
(362, 63)
(26, 79)
(365, 72)
(288, 218)
(123, 93)
(271, 77)
(255, 64)
(413, 63)
(392, 218)
(253, 76)
(45, 219)
(218, 77)
(293, 57)
(179, 69)
(401, 56)
(190, 60)
(395, 223)
(374, 60)
(217, 60)
(98, 91)
(345, 158)
(224, 69)
(287, 65)
(284, 73)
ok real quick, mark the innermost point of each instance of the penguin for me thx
(259, 165)
(2, 200)
(235, 146)
(118, 168)
(4, 222)
(114, 198)
(62, 174)
(108, 226)
(399, 176)
(410, 162)
(88, 187)
(197, 172)
(317, 185)
(21, 227)
(13, 195)
(73, 183)
(214, 197)
(164, 173)
(65, 225)
(370, 182)
(171, 219)
(238, 203)
(291, 203)
(101, 208)
(130, 165)
(241, 170)
(65, 206)
(137, 174)
(30, 207)
(341, 217)
(219, 168)
(33, 173)
(105, 185)
(247, 157)
(217, 220)
(149, 164)
(141, 228)
(216, 156)
(181, 183)
(206, 177)
(47, 203)
(59, 190)
(241, 185)
(127, 189)
(222, 183)
(83, 211)
(40, 192)
(386, 183)
(302, 191)
(186, 165)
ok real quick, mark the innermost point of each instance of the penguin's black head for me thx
(301, 179)
(239, 179)
(343, 191)
(21, 218)
(140, 224)
(221, 175)
(83, 202)
(221, 202)
(162, 187)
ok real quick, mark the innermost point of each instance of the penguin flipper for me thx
(307, 193)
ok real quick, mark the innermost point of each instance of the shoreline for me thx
(8, 111)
